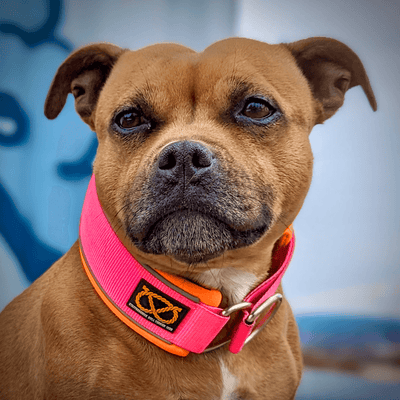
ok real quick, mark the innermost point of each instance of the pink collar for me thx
(165, 313)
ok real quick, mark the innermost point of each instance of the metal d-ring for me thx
(275, 299)
(226, 313)
(268, 303)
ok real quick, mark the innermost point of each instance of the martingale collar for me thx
(171, 312)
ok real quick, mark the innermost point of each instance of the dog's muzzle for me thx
(192, 207)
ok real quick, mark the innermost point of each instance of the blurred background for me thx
(343, 282)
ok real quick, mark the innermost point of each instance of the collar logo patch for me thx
(157, 307)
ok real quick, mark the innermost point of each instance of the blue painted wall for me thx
(45, 165)
(36, 185)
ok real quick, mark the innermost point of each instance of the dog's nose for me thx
(185, 159)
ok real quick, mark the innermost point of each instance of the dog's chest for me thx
(233, 283)
(229, 383)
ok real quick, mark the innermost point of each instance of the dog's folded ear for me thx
(331, 68)
(83, 74)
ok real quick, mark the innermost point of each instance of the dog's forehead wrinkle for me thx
(153, 71)
(200, 80)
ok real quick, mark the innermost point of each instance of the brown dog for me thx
(203, 161)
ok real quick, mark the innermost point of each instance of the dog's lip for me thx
(153, 238)
(231, 228)
(181, 210)
(185, 210)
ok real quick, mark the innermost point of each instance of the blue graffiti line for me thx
(14, 123)
(81, 168)
(33, 255)
(45, 33)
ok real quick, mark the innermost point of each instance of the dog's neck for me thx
(234, 284)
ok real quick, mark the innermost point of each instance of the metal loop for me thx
(226, 313)
(217, 346)
(236, 307)
(276, 298)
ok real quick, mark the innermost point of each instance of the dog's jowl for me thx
(172, 290)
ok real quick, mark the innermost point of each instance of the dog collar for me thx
(171, 312)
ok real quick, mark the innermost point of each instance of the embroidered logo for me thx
(157, 307)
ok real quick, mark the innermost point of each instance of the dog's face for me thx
(203, 147)
(204, 156)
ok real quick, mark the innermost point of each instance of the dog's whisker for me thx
(210, 270)
(191, 178)
(117, 222)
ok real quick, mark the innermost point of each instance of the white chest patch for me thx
(233, 283)
(229, 382)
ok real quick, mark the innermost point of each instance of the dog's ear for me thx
(331, 68)
(83, 74)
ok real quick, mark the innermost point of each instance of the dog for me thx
(173, 289)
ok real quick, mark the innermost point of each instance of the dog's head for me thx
(205, 155)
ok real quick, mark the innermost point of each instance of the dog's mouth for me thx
(194, 237)
(193, 206)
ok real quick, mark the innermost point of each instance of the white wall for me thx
(135, 23)
(348, 232)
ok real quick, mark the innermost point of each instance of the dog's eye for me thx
(130, 119)
(257, 109)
